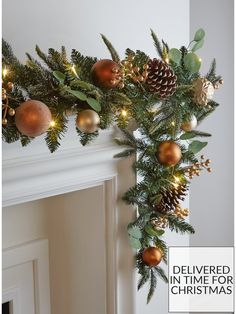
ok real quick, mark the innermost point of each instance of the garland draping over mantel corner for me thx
(167, 98)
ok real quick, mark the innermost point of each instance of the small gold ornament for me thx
(197, 167)
(135, 73)
(10, 86)
(88, 121)
(189, 124)
(169, 153)
(4, 121)
(11, 112)
(203, 91)
(152, 256)
(180, 212)
(221, 81)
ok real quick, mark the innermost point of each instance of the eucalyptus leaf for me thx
(83, 84)
(78, 94)
(192, 134)
(199, 44)
(175, 55)
(187, 136)
(196, 146)
(152, 232)
(192, 62)
(59, 76)
(199, 35)
(135, 232)
(135, 243)
(94, 103)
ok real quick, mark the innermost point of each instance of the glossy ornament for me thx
(203, 91)
(190, 124)
(169, 153)
(88, 121)
(33, 118)
(152, 256)
(106, 73)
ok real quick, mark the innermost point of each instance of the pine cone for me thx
(161, 78)
(171, 198)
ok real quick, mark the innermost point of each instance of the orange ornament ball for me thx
(169, 153)
(152, 256)
(33, 118)
(106, 73)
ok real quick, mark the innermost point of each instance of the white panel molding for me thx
(32, 172)
(37, 253)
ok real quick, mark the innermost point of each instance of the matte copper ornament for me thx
(33, 118)
(88, 121)
(169, 153)
(152, 256)
(203, 91)
(106, 73)
(189, 124)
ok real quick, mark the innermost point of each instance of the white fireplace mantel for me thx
(32, 172)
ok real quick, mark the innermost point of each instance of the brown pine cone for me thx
(171, 198)
(161, 78)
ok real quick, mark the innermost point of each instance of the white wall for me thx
(211, 200)
(77, 24)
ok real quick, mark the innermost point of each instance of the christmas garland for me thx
(166, 97)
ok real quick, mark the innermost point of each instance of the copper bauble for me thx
(88, 121)
(190, 124)
(33, 118)
(169, 153)
(106, 73)
(203, 91)
(152, 256)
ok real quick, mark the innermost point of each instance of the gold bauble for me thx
(190, 124)
(11, 112)
(88, 121)
(203, 91)
(169, 153)
(152, 256)
(4, 121)
(33, 118)
(10, 86)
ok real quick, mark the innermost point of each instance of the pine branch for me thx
(156, 43)
(55, 134)
(152, 287)
(86, 138)
(212, 71)
(179, 225)
(113, 52)
(143, 279)
(161, 273)
(25, 140)
(162, 245)
(125, 153)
